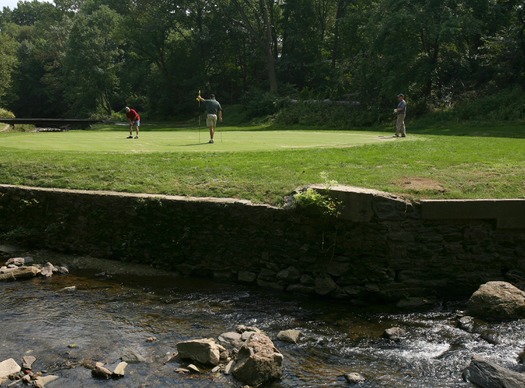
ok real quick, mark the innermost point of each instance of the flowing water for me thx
(120, 309)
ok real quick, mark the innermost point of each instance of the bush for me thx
(325, 113)
(312, 200)
(258, 103)
(502, 105)
(6, 114)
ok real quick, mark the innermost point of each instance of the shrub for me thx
(6, 114)
(326, 113)
(258, 103)
(313, 200)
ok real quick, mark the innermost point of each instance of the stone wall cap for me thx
(358, 190)
(138, 195)
(508, 213)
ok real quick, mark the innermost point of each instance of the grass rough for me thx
(264, 164)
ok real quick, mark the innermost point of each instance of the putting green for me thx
(188, 140)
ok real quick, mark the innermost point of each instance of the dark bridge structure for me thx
(59, 124)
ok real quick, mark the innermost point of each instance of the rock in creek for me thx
(18, 261)
(394, 334)
(497, 301)
(18, 273)
(204, 351)
(9, 367)
(101, 372)
(484, 373)
(467, 323)
(115, 371)
(258, 361)
(41, 381)
(132, 356)
(289, 335)
(27, 361)
(354, 378)
(247, 353)
(119, 370)
(16, 269)
(47, 270)
(230, 340)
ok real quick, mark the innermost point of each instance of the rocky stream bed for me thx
(88, 322)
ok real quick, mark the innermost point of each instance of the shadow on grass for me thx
(474, 129)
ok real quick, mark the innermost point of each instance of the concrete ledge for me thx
(508, 213)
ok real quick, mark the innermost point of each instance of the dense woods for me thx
(78, 58)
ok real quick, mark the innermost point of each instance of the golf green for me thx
(114, 141)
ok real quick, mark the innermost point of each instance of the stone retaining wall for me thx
(381, 248)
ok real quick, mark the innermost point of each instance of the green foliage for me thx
(326, 114)
(312, 199)
(93, 60)
(92, 57)
(495, 105)
(258, 103)
(8, 61)
(6, 114)
(508, 104)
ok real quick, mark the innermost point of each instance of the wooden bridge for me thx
(63, 124)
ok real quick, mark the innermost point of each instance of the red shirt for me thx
(132, 115)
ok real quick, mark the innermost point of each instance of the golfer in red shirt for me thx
(134, 121)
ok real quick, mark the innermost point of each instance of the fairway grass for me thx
(266, 165)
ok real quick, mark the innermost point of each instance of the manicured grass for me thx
(186, 140)
(264, 165)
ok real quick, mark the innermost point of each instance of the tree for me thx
(27, 13)
(258, 19)
(93, 60)
(28, 25)
(502, 47)
(306, 50)
(159, 39)
(422, 48)
(8, 62)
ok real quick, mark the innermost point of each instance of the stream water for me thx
(117, 309)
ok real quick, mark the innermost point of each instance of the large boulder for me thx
(204, 351)
(258, 361)
(497, 301)
(486, 374)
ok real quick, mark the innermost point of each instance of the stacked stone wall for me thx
(381, 248)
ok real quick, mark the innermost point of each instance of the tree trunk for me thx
(267, 47)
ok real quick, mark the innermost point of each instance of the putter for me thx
(394, 126)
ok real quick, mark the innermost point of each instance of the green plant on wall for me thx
(313, 199)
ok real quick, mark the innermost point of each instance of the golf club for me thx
(198, 99)
(394, 126)
(395, 120)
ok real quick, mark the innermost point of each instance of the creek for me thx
(121, 308)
